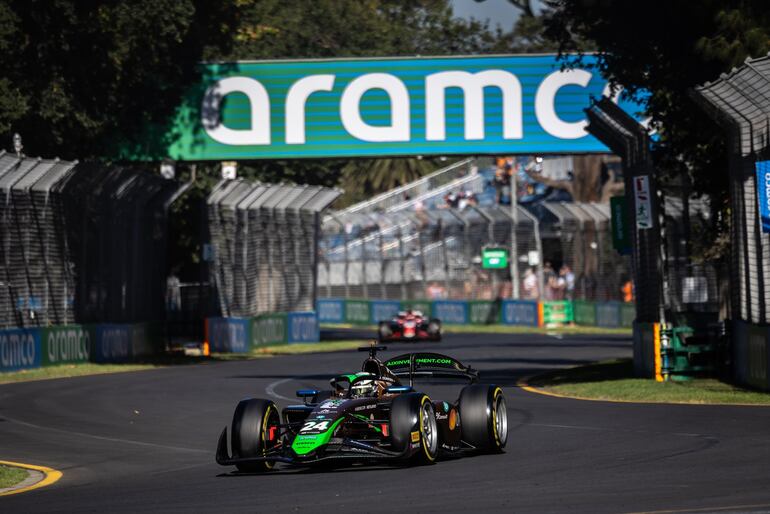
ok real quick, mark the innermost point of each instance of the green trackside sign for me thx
(494, 258)
(621, 235)
(389, 106)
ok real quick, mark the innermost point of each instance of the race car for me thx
(370, 417)
(409, 325)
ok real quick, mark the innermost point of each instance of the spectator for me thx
(529, 285)
(502, 179)
(549, 278)
(569, 282)
(435, 291)
(627, 291)
(173, 292)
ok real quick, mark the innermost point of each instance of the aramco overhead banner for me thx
(394, 106)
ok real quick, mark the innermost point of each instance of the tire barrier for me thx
(480, 312)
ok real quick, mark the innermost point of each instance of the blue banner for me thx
(20, 349)
(113, 343)
(451, 312)
(383, 310)
(520, 312)
(608, 314)
(330, 311)
(229, 335)
(763, 194)
(303, 327)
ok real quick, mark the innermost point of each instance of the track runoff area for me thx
(145, 441)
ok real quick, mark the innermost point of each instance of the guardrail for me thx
(480, 312)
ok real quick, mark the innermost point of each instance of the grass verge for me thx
(503, 329)
(90, 368)
(614, 380)
(10, 476)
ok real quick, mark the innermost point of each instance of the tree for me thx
(81, 76)
(658, 50)
(592, 180)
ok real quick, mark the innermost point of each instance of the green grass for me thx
(90, 368)
(10, 476)
(505, 329)
(614, 380)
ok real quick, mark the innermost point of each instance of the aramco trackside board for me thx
(385, 107)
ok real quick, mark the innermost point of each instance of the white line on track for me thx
(270, 389)
(555, 334)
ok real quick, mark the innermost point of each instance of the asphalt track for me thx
(145, 441)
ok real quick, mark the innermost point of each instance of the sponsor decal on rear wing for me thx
(430, 365)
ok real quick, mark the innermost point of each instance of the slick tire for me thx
(251, 434)
(384, 332)
(434, 330)
(413, 422)
(483, 417)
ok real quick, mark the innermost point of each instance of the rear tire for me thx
(251, 432)
(413, 413)
(384, 331)
(484, 417)
(434, 330)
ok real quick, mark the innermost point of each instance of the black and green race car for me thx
(370, 417)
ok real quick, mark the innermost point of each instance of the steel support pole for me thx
(514, 241)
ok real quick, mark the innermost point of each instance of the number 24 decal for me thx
(312, 425)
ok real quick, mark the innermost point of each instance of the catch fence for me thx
(436, 253)
(81, 242)
(263, 239)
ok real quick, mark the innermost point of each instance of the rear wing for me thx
(430, 365)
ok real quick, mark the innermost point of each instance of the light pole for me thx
(514, 241)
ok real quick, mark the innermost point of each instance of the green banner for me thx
(268, 329)
(481, 312)
(66, 344)
(357, 312)
(584, 312)
(627, 314)
(621, 228)
(557, 312)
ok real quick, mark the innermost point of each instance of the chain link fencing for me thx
(412, 251)
(263, 238)
(81, 242)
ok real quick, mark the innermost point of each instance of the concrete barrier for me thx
(382, 310)
(451, 312)
(268, 329)
(112, 343)
(520, 312)
(229, 335)
(330, 310)
(608, 314)
(357, 312)
(67, 344)
(584, 312)
(302, 327)
(20, 349)
(483, 312)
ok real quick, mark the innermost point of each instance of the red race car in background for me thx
(410, 325)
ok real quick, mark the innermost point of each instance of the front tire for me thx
(434, 330)
(254, 431)
(412, 421)
(484, 417)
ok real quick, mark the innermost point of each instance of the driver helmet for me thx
(365, 388)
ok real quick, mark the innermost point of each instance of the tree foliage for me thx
(81, 75)
(658, 51)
